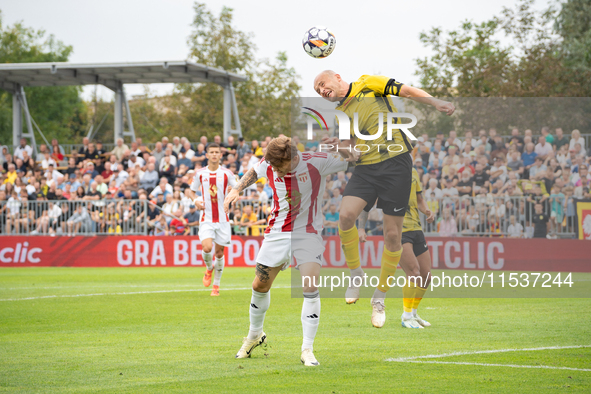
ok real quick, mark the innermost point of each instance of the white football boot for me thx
(248, 345)
(410, 323)
(422, 322)
(378, 315)
(308, 358)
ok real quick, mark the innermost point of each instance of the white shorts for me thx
(278, 250)
(221, 233)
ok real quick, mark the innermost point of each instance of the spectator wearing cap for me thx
(90, 169)
(418, 164)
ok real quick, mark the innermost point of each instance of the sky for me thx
(373, 36)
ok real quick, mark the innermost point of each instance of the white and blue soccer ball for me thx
(319, 42)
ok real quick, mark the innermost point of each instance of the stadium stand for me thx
(478, 185)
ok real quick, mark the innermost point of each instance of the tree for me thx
(263, 101)
(473, 62)
(59, 111)
(574, 26)
(515, 54)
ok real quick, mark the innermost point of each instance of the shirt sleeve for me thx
(196, 183)
(383, 85)
(261, 168)
(331, 163)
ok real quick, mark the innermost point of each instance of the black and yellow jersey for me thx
(368, 97)
(412, 221)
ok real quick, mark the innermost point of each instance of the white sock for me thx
(310, 318)
(219, 270)
(207, 257)
(259, 303)
(357, 272)
(378, 294)
(407, 315)
(414, 312)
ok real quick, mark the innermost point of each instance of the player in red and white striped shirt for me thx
(213, 182)
(294, 232)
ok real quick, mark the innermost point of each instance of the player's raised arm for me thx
(247, 180)
(421, 96)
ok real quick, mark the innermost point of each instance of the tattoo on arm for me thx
(262, 272)
(248, 179)
(363, 216)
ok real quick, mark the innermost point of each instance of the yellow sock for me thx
(419, 293)
(350, 245)
(408, 294)
(389, 263)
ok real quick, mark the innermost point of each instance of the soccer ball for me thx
(319, 42)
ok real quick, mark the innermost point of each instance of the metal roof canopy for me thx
(15, 76)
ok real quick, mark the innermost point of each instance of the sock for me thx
(419, 293)
(259, 303)
(378, 294)
(310, 318)
(350, 245)
(219, 270)
(389, 263)
(408, 292)
(207, 257)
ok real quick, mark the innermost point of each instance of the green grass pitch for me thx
(144, 330)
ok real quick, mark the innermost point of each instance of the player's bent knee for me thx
(347, 219)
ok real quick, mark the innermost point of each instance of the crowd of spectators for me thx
(478, 184)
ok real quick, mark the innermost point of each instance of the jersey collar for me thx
(347, 95)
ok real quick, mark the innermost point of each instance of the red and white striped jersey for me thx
(297, 197)
(213, 186)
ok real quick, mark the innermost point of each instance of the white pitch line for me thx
(497, 365)
(415, 359)
(130, 293)
(403, 359)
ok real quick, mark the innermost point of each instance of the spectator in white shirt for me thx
(575, 139)
(189, 153)
(515, 229)
(453, 139)
(47, 160)
(543, 149)
(119, 174)
(163, 187)
(18, 152)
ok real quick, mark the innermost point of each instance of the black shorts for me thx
(417, 239)
(389, 182)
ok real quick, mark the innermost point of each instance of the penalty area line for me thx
(129, 293)
(423, 359)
